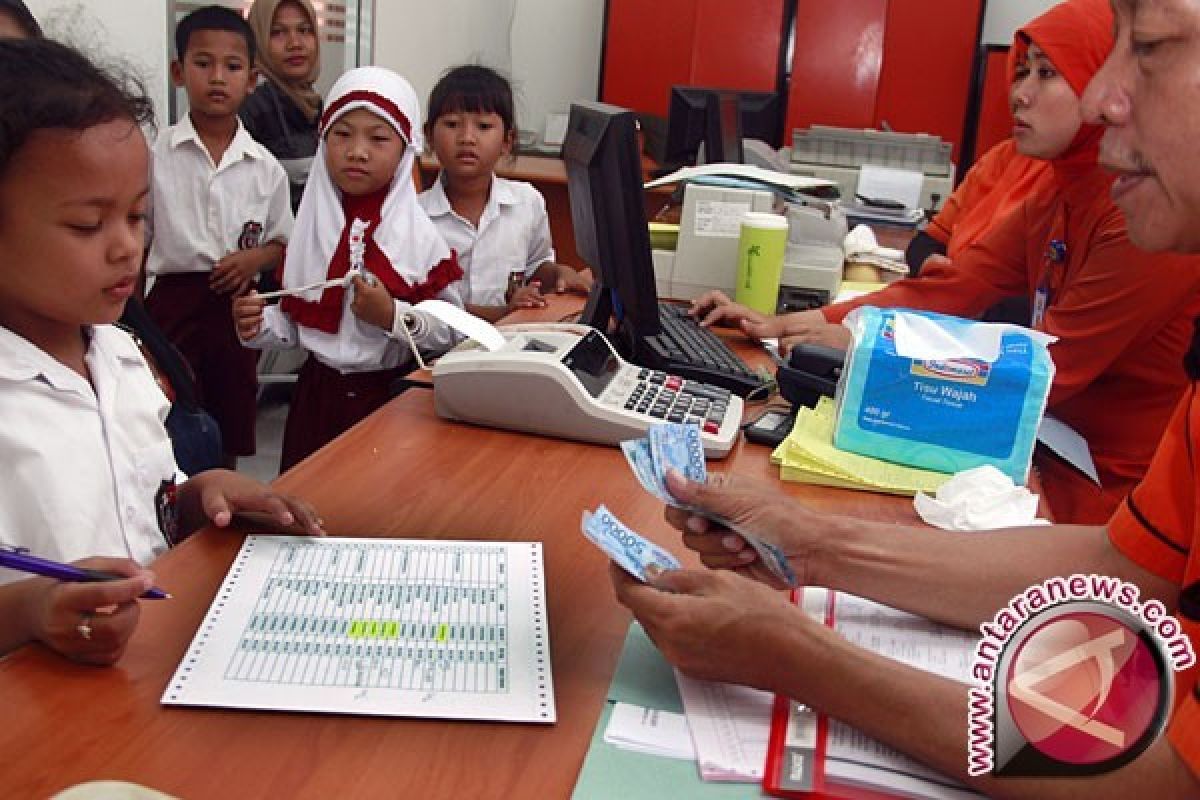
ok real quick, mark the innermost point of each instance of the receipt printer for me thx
(567, 381)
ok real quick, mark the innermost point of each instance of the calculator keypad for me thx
(673, 399)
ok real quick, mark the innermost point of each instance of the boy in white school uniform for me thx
(220, 215)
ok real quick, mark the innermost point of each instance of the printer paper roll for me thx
(465, 323)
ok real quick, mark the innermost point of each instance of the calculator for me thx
(568, 381)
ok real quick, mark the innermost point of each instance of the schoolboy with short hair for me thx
(220, 216)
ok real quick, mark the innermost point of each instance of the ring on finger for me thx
(84, 628)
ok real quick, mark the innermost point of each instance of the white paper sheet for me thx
(1069, 444)
(730, 726)
(889, 183)
(650, 731)
(392, 627)
(851, 757)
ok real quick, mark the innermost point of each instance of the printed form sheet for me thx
(392, 627)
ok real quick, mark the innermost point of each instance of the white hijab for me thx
(405, 233)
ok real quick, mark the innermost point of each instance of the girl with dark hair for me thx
(81, 418)
(16, 21)
(498, 227)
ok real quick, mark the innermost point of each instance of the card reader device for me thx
(567, 381)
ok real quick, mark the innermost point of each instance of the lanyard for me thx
(1052, 262)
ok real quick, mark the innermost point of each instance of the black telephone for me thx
(811, 370)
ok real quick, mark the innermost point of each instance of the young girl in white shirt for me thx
(88, 465)
(497, 227)
(359, 211)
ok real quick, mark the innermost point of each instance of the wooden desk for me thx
(402, 472)
(549, 175)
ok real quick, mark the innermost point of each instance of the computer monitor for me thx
(703, 115)
(604, 183)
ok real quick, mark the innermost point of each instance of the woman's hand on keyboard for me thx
(715, 308)
(822, 333)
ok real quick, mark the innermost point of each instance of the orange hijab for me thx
(1076, 36)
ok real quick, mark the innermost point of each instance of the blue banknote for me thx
(679, 446)
(632, 551)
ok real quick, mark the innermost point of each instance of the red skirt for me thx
(327, 403)
(199, 322)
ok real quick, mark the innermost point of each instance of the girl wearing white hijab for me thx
(360, 212)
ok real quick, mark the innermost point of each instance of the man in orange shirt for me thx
(722, 625)
(1122, 316)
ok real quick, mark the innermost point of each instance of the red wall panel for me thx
(736, 45)
(929, 49)
(647, 49)
(995, 116)
(836, 63)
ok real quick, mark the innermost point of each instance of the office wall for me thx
(130, 32)
(550, 48)
(652, 46)
(1003, 17)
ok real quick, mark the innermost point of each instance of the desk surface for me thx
(402, 472)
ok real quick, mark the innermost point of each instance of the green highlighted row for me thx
(385, 629)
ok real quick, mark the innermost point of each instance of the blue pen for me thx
(16, 558)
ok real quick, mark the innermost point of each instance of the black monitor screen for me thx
(690, 122)
(604, 182)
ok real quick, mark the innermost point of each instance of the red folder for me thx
(797, 769)
(800, 771)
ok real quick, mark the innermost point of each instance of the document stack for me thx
(807, 455)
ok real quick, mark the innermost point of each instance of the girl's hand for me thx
(89, 622)
(216, 495)
(248, 315)
(373, 303)
(528, 296)
(570, 280)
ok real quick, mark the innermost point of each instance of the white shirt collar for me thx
(242, 145)
(22, 360)
(436, 203)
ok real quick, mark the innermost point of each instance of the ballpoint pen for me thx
(16, 558)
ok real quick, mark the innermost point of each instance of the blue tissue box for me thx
(946, 414)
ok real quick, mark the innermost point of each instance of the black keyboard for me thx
(686, 349)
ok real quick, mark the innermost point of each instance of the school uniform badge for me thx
(251, 237)
(166, 509)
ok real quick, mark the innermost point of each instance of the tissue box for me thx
(942, 393)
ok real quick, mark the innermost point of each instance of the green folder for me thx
(645, 679)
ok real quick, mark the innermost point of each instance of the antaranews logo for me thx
(1073, 677)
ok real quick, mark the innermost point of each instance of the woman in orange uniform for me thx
(1122, 316)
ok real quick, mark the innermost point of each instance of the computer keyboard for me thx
(685, 348)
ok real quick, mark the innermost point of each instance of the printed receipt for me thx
(469, 325)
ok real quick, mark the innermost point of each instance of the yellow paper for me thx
(807, 455)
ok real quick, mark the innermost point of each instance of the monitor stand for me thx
(597, 312)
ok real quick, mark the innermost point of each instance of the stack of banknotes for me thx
(666, 446)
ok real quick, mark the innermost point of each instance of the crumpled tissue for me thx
(861, 246)
(979, 499)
